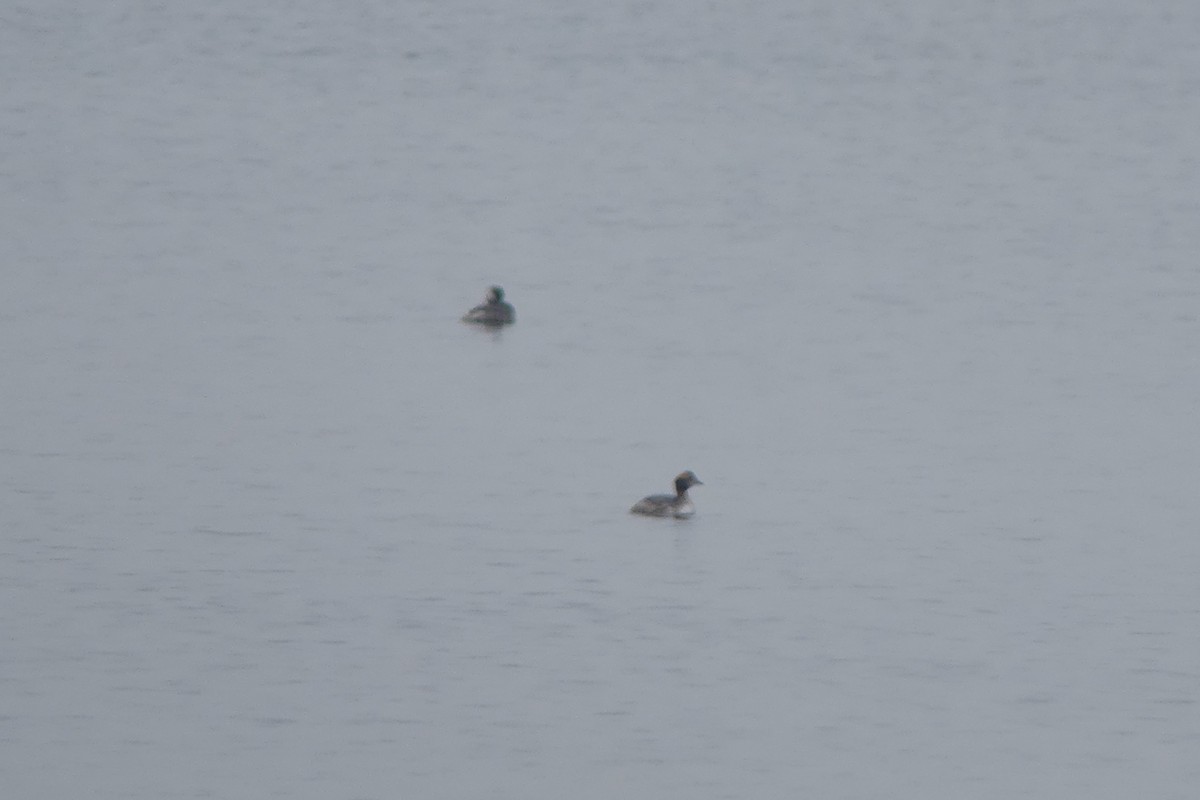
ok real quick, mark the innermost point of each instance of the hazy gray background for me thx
(911, 286)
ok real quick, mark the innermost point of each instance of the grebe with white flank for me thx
(665, 505)
(492, 312)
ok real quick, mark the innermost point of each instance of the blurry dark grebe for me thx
(493, 312)
(665, 505)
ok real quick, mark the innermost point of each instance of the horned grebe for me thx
(665, 505)
(493, 312)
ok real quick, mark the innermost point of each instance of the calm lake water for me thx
(911, 286)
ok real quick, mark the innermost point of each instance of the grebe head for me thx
(686, 480)
(495, 295)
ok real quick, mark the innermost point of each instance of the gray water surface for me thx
(911, 286)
